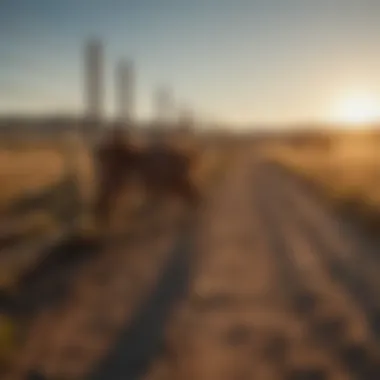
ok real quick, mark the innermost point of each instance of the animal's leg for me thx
(102, 207)
(107, 196)
(153, 189)
(187, 191)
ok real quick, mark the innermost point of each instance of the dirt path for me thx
(269, 285)
(143, 337)
(68, 340)
(279, 292)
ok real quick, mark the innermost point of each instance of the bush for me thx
(8, 342)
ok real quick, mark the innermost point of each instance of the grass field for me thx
(30, 168)
(45, 183)
(347, 172)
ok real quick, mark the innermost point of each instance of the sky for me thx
(240, 61)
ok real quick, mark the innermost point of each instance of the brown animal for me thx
(161, 170)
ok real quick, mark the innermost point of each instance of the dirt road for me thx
(110, 301)
(283, 289)
(270, 284)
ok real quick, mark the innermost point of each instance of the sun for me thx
(358, 109)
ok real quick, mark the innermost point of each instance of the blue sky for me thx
(242, 61)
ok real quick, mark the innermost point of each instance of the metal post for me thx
(94, 85)
(125, 92)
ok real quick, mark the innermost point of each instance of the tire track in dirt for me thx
(345, 254)
(67, 340)
(341, 317)
(350, 244)
(301, 284)
(142, 340)
(210, 333)
(236, 323)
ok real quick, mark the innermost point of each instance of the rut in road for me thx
(347, 255)
(105, 298)
(142, 339)
(311, 285)
(238, 322)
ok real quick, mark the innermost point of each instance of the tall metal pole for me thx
(94, 84)
(163, 104)
(125, 87)
(186, 119)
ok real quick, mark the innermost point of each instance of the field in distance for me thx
(344, 166)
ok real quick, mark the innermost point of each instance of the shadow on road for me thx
(48, 283)
(144, 337)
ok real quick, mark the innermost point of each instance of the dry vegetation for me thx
(347, 171)
(27, 170)
(31, 167)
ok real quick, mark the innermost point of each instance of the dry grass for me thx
(22, 172)
(348, 173)
(28, 167)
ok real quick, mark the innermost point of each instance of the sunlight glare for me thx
(358, 109)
